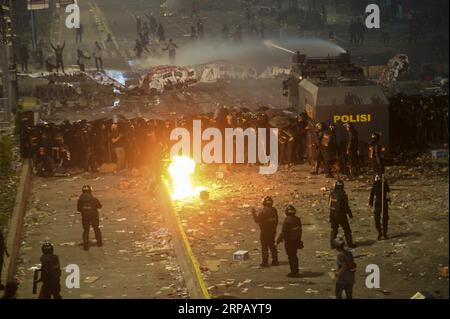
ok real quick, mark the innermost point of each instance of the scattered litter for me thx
(418, 295)
(241, 255)
(443, 272)
(91, 279)
(68, 244)
(311, 291)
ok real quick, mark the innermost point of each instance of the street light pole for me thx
(9, 67)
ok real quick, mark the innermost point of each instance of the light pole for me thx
(8, 59)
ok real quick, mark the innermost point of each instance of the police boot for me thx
(265, 259)
(385, 235)
(85, 240)
(315, 171)
(294, 270)
(275, 257)
(349, 240)
(380, 236)
(98, 237)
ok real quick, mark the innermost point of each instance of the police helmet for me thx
(86, 189)
(377, 178)
(47, 248)
(339, 184)
(332, 127)
(375, 136)
(319, 126)
(290, 210)
(267, 201)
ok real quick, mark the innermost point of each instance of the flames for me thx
(181, 170)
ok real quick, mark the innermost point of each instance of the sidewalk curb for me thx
(16, 222)
(186, 259)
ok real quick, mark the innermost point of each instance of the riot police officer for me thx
(50, 273)
(322, 150)
(351, 150)
(267, 219)
(88, 206)
(291, 234)
(339, 210)
(345, 272)
(375, 154)
(379, 200)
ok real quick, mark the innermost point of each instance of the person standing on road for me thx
(291, 234)
(375, 154)
(161, 33)
(3, 251)
(118, 144)
(88, 206)
(24, 56)
(50, 273)
(172, 48)
(379, 200)
(59, 50)
(339, 209)
(81, 60)
(79, 34)
(98, 56)
(267, 219)
(346, 269)
(351, 150)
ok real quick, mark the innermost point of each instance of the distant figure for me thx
(109, 38)
(79, 34)
(161, 33)
(138, 24)
(98, 56)
(152, 23)
(172, 48)
(59, 56)
(225, 32)
(81, 60)
(386, 33)
(39, 58)
(193, 34)
(139, 48)
(200, 30)
(24, 56)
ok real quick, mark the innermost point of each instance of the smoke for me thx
(257, 53)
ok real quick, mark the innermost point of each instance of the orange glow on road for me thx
(181, 170)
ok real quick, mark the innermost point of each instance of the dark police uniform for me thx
(88, 206)
(375, 201)
(291, 233)
(339, 210)
(345, 278)
(267, 220)
(375, 156)
(351, 151)
(323, 152)
(50, 277)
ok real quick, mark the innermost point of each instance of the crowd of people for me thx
(424, 121)
(133, 143)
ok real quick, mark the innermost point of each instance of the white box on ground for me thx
(241, 255)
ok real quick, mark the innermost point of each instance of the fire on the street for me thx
(181, 170)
